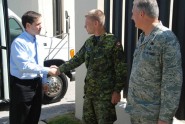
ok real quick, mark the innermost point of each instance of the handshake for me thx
(54, 70)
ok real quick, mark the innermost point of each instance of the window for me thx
(15, 29)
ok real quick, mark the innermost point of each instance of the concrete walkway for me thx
(124, 118)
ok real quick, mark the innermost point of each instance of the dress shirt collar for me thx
(29, 36)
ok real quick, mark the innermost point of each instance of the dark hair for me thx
(29, 17)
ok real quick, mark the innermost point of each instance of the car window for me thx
(15, 29)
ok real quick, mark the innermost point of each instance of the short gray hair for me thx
(96, 14)
(150, 7)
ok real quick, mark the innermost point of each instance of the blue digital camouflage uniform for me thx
(156, 78)
(106, 72)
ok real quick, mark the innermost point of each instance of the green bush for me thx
(68, 118)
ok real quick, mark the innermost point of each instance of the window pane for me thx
(15, 29)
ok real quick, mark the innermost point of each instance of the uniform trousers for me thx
(98, 111)
(25, 100)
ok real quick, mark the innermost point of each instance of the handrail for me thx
(50, 52)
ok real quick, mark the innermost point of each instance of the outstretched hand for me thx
(54, 70)
(53, 66)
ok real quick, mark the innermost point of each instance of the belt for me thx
(26, 80)
(30, 83)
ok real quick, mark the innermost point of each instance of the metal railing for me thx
(51, 50)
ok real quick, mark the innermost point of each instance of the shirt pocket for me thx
(151, 57)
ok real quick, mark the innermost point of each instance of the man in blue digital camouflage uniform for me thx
(106, 71)
(156, 75)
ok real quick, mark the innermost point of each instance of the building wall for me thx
(22, 6)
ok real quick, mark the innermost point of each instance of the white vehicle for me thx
(56, 53)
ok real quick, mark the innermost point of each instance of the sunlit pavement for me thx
(175, 121)
(124, 118)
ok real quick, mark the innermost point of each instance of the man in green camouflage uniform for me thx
(106, 71)
(156, 76)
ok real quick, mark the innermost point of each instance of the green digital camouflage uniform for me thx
(106, 72)
(156, 78)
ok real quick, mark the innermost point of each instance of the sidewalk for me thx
(124, 118)
(175, 121)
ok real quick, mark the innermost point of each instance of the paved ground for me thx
(178, 122)
(67, 104)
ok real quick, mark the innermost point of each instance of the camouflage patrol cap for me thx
(96, 14)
